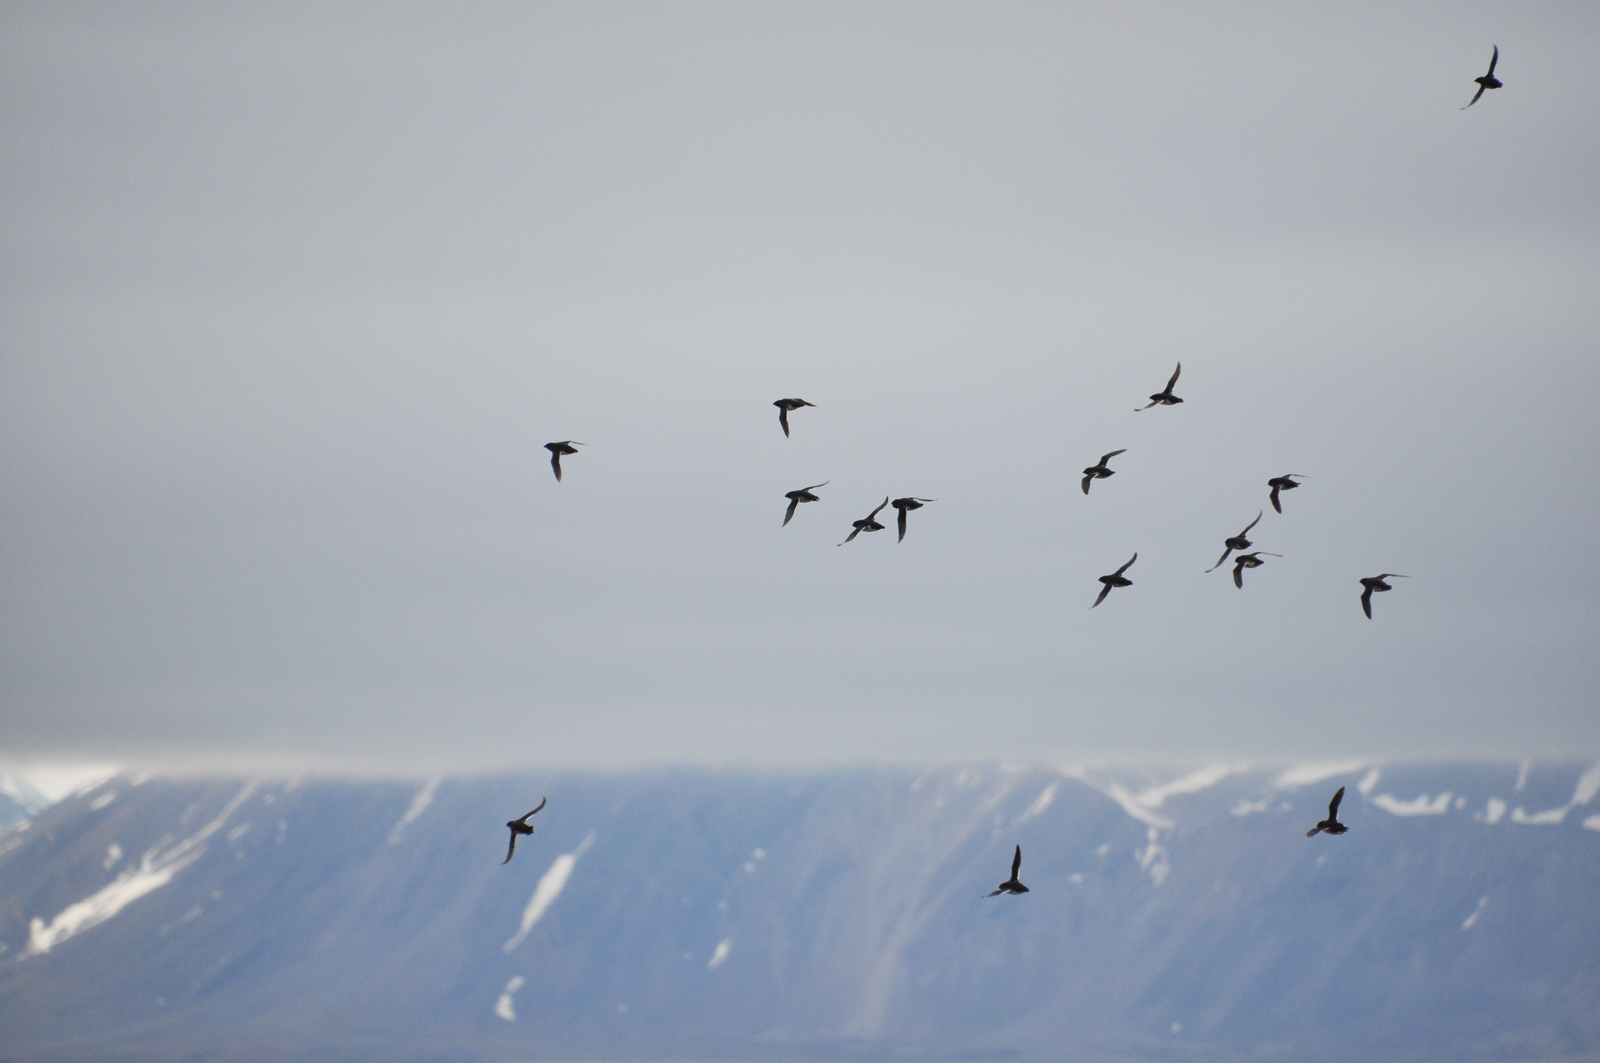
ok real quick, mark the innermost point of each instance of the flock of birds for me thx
(1234, 545)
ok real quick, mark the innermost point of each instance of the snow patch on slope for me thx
(1418, 806)
(502, 1007)
(549, 888)
(1306, 774)
(419, 804)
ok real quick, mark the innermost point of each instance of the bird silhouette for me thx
(797, 497)
(1011, 885)
(1376, 583)
(1164, 397)
(784, 406)
(1116, 579)
(519, 826)
(1100, 471)
(1331, 824)
(905, 505)
(566, 446)
(1244, 561)
(1282, 483)
(869, 524)
(1236, 542)
(1488, 81)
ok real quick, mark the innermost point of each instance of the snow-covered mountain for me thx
(1178, 915)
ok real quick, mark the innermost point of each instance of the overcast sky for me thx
(293, 299)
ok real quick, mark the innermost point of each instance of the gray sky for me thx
(292, 300)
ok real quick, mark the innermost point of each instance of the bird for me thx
(784, 406)
(1100, 472)
(1011, 885)
(1282, 483)
(1244, 561)
(869, 524)
(1331, 824)
(797, 497)
(1488, 81)
(519, 826)
(1375, 583)
(1116, 579)
(566, 446)
(905, 505)
(1236, 542)
(1165, 397)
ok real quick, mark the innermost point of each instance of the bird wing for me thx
(1252, 524)
(1313, 832)
(1274, 499)
(854, 532)
(1366, 602)
(993, 893)
(1175, 373)
(1391, 575)
(794, 503)
(1220, 560)
(511, 849)
(1131, 560)
(1494, 59)
(555, 463)
(1333, 806)
(1016, 862)
(1086, 480)
(542, 803)
(1475, 96)
(1238, 574)
(902, 523)
(813, 487)
(1105, 589)
(1146, 406)
(874, 514)
(1114, 453)
(783, 419)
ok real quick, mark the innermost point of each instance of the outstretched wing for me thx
(874, 514)
(1494, 59)
(794, 503)
(1333, 806)
(555, 463)
(783, 419)
(902, 522)
(1238, 573)
(993, 893)
(1274, 499)
(1475, 96)
(1086, 479)
(1174, 379)
(511, 849)
(1313, 832)
(1107, 457)
(1366, 602)
(1131, 560)
(1220, 560)
(1105, 589)
(1252, 524)
(542, 803)
(853, 533)
(1016, 862)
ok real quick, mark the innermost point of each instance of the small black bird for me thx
(1236, 542)
(1282, 483)
(905, 505)
(1375, 583)
(1164, 397)
(1244, 561)
(1331, 824)
(1011, 885)
(870, 524)
(797, 497)
(519, 826)
(784, 406)
(1116, 579)
(1488, 81)
(1100, 471)
(566, 446)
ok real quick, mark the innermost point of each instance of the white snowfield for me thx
(419, 804)
(549, 888)
(156, 868)
(1421, 805)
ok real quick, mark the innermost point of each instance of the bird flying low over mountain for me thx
(1011, 885)
(784, 406)
(1100, 471)
(566, 446)
(1244, 561)
(869, 524)
(1164, 397)
(905, 505)
(797, 497)
(1236, 542)
(520, 826)
(1116, 579)
(1488, 81)
(1331, 824)
(1376, 583)
(1282, 483)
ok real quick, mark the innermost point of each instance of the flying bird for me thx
(1331, 824)
(869, 524)
(797, 497)
(1236, 542)
(1244, 561)
(1100, 471)
(1282, 483)
(784, 406)
(566, 446)
(906, 505)
(1165, 397)
(1116, 579)
(519, 826)
(1011, 885)
(1376, 583)
(1488, 81)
